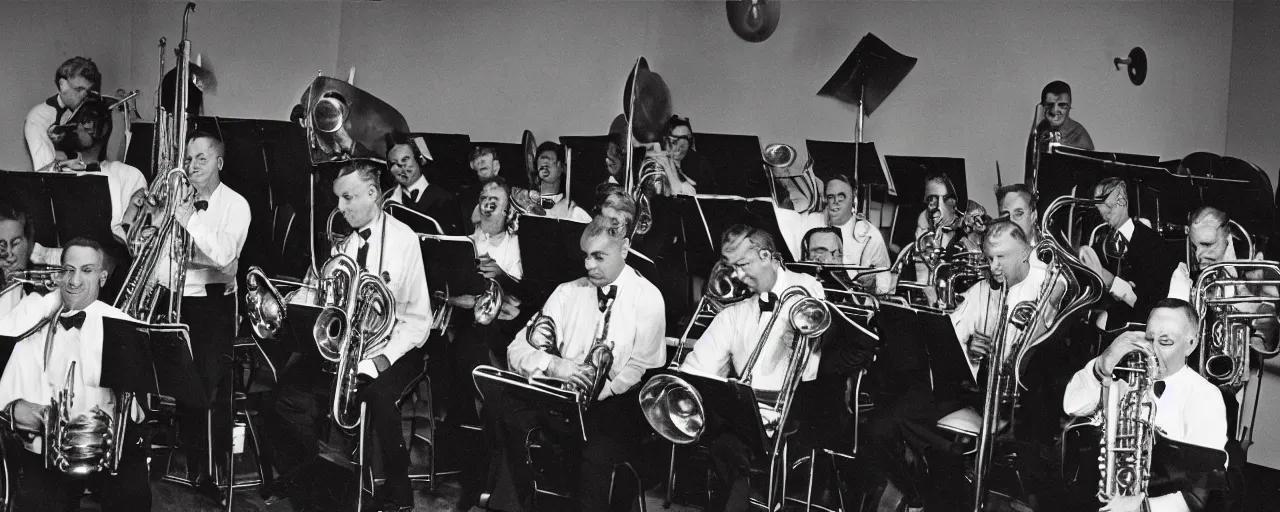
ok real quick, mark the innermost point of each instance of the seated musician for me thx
(484, 162)
(909, 418)
(37, 371)
(549, 182)
(941, 217)
(615, 155)
(75, 79)
(384, 247)
(613, 296)
(862, 243)
(1018, 203)
(731, 338)
(1131, 258)
(1188, 409)
(498, 250)
(408, 166)
(690, 168)
(17, 238)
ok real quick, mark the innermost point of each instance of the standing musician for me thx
(385, 247)
(1054, 122)
(17, 239)
(1018, 203)
(37, 371)
(549, 182)
(75, 79)
(611, 295)
(407, 163)
(1131, 258)
(911, 416)
(731, 338)
(861, 242)
(217, 220)
(1188, 409)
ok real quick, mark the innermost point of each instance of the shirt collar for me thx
(1126, 229)
(419, 185)
(781, 283)
(623, 278)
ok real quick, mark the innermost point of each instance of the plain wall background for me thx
(494, 68)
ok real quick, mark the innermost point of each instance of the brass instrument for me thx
(720, 291)
(358, 315)
(1069, 286)
(541, 335)
(45, 277)
(1128, 429)
(1226, 332)
(79, 445)
(267, 308)
(489, 304)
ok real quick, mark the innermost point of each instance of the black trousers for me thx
(907, 422)
(614, 427)
(49, 490)
(302, 401)
(212, 321)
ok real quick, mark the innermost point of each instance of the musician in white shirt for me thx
(1018, 203)
(862, 242)
(1187, 408)
(384, 247)
(733, 335)
(611, 295)
(37, 370)
(76, 79)
(549, 181)
(17, 237)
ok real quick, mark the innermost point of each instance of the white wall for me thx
(494, 68)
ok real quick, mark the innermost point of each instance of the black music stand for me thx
(915, 339)
(706, 217)
(859, 161)
(1068, 171)
(494, 384)
(735, 162)
(450, 262)
(735, 404)
(419, 222)
(589, 167)
(150, 360)
(297, 332)
(550, 253)
(450, 159)
(81, 203)
(914, 169)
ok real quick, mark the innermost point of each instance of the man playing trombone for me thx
(38, 370)
(732, 337)
(612, 308)
(388, 249)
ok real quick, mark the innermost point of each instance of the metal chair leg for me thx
(671, 479)
(364, 420)
(808, 498)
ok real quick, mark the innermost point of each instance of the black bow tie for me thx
(413, 195)
(1159, 388)
(603, 297)
(365, 233)
(768, 302)
(72, 321)
(202, 205)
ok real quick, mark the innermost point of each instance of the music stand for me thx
(867, 76)
(297, 332)
(706, 217)
(913, 337)
(735, 162)
(147, 359)
(550, 253)
(450, 262)
(734, 403)
(914, 169)
(589, 168)
(494, 384)
(419, 222)
(81, 203)
(450, 159)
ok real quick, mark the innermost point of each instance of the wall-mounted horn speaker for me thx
(753, 20)
(1136, 62)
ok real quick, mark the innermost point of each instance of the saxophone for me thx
(541, 334)
(1128, 429)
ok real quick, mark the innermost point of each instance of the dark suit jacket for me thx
(439, 204)
(1147, 264)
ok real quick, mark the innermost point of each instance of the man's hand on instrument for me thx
(28, 416)
(979, 346)
(1090, 259)
(186, 204)
(1125, 504)
(1124, 344)
(509, 310)
(488, 267)
(565, 370)
(583, 377)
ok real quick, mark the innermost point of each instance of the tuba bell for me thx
(779, 155)
(266, 306)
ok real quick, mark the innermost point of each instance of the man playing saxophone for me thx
(37, 371)
(216, 219)
(387, 248)
(612, 305)
(730, 340)
(1188, 408)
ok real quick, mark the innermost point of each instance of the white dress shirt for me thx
(30, 376)
(394, 252)
(1190, 410)
(736, 330)
(566, 209)
(861, 243)
(1180, 283)
(636, 329)
(975, 313)
(398, 192)
(217, 234)
(10, 300)
(36, 130)
(123, 180)
(504, 248)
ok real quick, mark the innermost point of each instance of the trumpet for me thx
(40, 276)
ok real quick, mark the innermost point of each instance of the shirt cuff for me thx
(1123, 290)
(367, 367)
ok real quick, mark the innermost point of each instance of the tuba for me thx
(356, 321)
(1226, 331)
(1128, 429)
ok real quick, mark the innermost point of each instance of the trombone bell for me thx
(673, 408)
